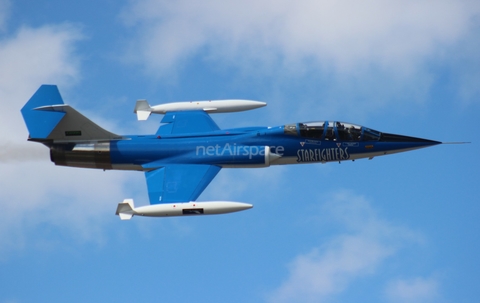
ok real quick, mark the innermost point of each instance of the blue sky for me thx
(402, 228)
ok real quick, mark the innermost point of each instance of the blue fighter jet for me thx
(189, 149)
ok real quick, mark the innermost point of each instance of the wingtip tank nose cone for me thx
(220, 207)
(245, 206)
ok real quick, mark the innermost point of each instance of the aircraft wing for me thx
(186, 122)
(179, 182)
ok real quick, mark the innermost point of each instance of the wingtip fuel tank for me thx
(143, 109)
(126, 209)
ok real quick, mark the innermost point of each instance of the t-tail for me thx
(73, 139)
(50, 121)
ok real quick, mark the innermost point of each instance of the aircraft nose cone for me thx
(385, 137)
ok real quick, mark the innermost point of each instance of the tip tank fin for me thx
(142, 109)
(125, 209)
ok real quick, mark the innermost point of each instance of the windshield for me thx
(312, 130)
(370, 135)
(332, 130)
(348, 132)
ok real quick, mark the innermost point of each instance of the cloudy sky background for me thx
(402, 228)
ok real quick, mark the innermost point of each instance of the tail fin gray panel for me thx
(75, 126)
(49, 119)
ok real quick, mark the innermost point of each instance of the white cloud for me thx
(338, 57)
(413, 290)
(36, 56)
(30, 58)
(35, 194)
(341, 36)
(465, 69)
(328, 270)
(4, 11)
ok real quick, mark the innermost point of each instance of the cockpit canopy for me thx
(332, 130)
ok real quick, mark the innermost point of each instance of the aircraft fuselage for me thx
(245, 147)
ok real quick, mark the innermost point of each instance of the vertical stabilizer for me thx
(49, 119)
(40, 123)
